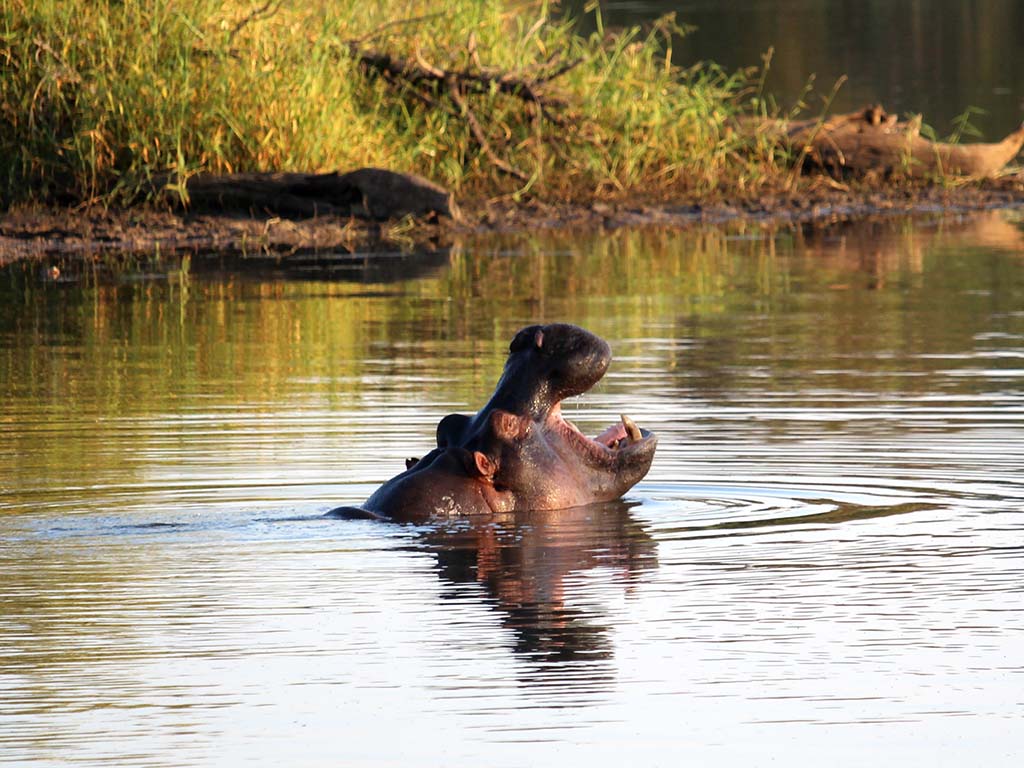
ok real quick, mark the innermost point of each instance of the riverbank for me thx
(111, 112)
(34, 232)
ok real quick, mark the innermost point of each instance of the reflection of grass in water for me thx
(96, 98)
(733, 297)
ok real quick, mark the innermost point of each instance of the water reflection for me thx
(531, 566)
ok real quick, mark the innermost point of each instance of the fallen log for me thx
(872, 141)
(372, 193)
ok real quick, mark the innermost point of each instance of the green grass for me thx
(99, 98)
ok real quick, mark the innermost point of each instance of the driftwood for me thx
(872, 141)
(367, 193)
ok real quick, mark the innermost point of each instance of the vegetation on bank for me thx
(109, 100)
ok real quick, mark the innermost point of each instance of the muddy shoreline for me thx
(42, 233)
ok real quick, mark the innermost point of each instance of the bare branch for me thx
(480, 82)
(481, 138)
(565, 67)
(264, 11)
(430, 69)
(429, 83)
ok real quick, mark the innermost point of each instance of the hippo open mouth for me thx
(519, 452)
(622, 436)
(599, 468)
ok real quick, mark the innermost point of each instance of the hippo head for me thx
(523, 444)
(519, 452)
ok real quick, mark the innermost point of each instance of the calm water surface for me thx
(825, 562)
(934, 57)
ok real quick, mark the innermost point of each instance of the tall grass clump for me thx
(119, 100)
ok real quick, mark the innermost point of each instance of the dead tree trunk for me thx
(871, 141)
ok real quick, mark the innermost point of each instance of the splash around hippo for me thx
(518, 452)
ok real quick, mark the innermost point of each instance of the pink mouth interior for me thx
(612, 435)
(608, 438)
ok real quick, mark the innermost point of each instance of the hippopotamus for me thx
(519, 452)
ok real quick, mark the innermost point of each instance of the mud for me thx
(39, 233)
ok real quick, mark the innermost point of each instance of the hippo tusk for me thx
(631, 429)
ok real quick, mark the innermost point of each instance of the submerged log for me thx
(365, 193)
(872, 141)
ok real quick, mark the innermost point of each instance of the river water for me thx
(825, 562)
(933, 57)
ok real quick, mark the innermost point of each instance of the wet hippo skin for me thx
(518, 452)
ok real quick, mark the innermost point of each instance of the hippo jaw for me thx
(547, 462)
(543, 460)
(621, 448)
(608, 464)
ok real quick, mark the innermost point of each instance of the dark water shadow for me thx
(532, 568)
(357, 267)
(844, 512)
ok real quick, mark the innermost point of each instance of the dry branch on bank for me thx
(430, 84)
(420, 72)
(870, 141)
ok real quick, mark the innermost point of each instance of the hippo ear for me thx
(507, 426)
(485, 467)
(527, 337)
(450, 429)
(476, 463)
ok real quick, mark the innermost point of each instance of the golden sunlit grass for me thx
(100, 98)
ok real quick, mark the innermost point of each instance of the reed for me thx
(118, 101)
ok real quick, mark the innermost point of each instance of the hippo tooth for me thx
(631, 429)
